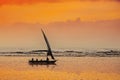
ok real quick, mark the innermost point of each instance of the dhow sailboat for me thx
(49, 53)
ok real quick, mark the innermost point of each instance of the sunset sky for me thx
(69, 24)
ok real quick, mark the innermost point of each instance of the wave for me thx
(73, 53)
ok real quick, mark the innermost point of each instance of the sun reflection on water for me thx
(55, 75)
(12, 68)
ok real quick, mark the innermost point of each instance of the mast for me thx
(49, 52)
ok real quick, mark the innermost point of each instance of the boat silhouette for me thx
(49, 53)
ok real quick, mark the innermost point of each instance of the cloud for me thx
(68, 34)
(21, 2)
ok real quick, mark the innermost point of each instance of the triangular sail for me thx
(48, 45)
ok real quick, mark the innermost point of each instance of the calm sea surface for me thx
(66, 68)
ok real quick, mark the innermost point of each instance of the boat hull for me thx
(43, 62)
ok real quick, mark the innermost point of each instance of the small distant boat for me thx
(49, 53)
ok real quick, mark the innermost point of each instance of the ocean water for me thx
(66, 68)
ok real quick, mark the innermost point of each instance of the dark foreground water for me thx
(66, 68)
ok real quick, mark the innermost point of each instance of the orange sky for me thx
(45, 11)
(20, 21)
